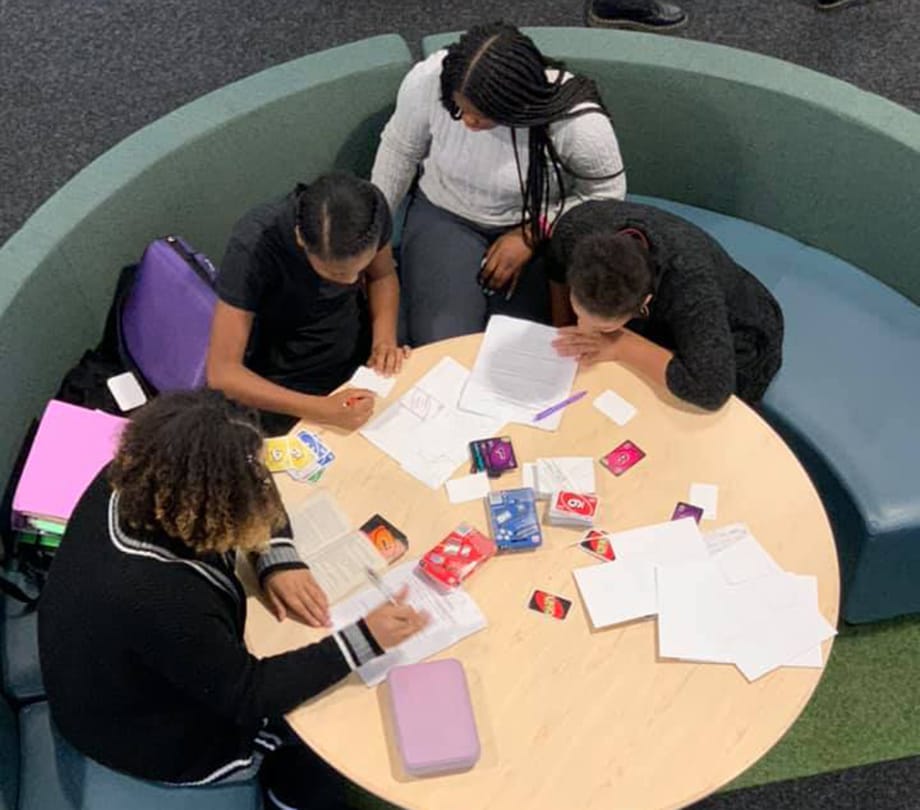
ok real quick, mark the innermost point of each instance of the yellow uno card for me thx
(300, 455)
(277, 456)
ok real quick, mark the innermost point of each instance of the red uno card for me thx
(621, 458)
(549, 604)
(597, 544)
(684, 510)
(575, 503)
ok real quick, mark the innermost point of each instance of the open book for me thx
(338, 555)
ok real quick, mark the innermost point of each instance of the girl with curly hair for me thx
(141, 620)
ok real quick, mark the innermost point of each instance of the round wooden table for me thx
(568, 716)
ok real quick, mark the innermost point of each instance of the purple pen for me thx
(559, 406)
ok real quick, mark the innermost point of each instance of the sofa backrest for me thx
(193, 173)
(760, 139)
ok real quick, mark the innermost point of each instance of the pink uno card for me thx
(621, 458)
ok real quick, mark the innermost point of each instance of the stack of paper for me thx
(518, 373)
(453, 616)
(425, 431)
(720, 599)
(71, 446)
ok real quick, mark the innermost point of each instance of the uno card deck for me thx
(457, 556)
(597, 544)
(314, 448)
(493, 456)
(574, 509)
(387, 539)
(622, 457)
(549, 604)
(514, 520)
(684, 510)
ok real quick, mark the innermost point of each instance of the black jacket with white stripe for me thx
(143, 657)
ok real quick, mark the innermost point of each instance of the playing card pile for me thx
(303, 456)
(492, 456)
(718, 598)
(514, 520)
(457, 556)
(575, 510)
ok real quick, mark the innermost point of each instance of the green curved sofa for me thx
(784, 165)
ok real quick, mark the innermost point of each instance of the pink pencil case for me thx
(433, 717)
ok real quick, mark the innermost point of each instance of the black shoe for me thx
(640, 15)
(827, 5)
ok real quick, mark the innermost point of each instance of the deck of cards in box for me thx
(575, 510)
(456, 557)
(514, 520)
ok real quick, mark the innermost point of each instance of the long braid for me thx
(503, 74)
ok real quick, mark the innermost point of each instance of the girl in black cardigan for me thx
(651, 290)
(141, 620)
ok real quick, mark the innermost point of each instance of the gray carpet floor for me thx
(77, 76)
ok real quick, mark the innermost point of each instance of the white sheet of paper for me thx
(690, 595)
(618, 591)
(468, 488)
(706, 496)
(126, 391)
(574, 473)
(425, 431)
(722, 538)
(625, 589)
(612, 405)
(781, 622)
(675, 541)
(745, 559)
(758, 625)
(518, 373)
(372, 380)
(454, 615)
(529, 475)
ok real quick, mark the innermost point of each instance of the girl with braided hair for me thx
(504, 141)
(308, 292)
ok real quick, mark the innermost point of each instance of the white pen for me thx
(380, 585)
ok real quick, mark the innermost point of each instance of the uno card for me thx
(299, 454)
(684, 510)
(574, 503)
(277, 454)
(324, 456)
(387, 539)
(597, 544)
(622, 457)
(549, 604)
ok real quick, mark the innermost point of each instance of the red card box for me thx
(457, 556)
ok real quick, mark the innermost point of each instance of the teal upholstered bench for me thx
(41, 771)
(844, 402)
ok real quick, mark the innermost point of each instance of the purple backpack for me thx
(165, 322)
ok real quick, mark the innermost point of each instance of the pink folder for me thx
(433, 717)
(71, 446)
